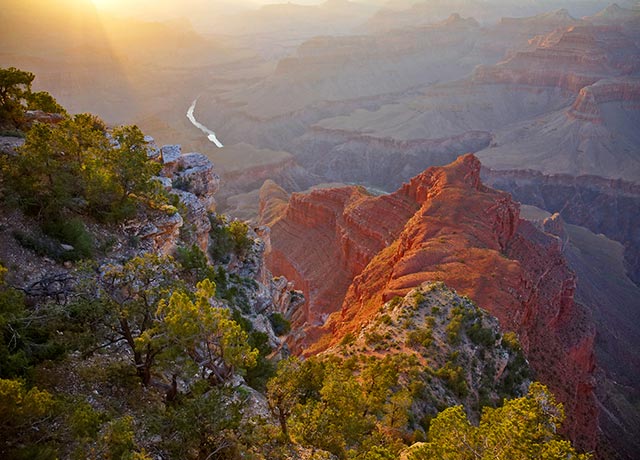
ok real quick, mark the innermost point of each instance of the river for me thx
(210, 134)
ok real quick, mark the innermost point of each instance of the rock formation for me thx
(604, 288)
(602, 205)
(443, 225)
(570, 59)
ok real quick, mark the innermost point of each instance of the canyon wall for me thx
(443, 225)
(602, 205)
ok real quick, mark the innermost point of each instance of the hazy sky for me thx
(192, 9)
(176, 5)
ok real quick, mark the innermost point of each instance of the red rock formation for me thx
(353, 253)
(322, 239)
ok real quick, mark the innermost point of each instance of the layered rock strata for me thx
(604, 206)
(352, 252)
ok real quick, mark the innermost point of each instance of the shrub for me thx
(481, 335)
(453, 329)
(348, 339)
(74, 233)
(420, 337)
(279, 323)
(454, 378)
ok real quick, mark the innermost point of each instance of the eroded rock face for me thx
(351, 253)
(321, 240)
(195, 173)
(192, 178)
(338, 155)
(571, 59)
(162, 232)
(602, 205)
(588, 105)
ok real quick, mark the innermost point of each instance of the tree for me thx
(283, 392)
(44, 101)
(203, 425)
(128, 296)
(206, 334)
(15, 87)
(523, 428)
(77, 167)
(24, 411)
(130, 170)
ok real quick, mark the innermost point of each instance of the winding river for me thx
(210, 134)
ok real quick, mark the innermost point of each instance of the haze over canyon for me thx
(480, 155)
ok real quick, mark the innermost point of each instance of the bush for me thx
(453, 329)
(481, 335)
(74, 233)
(348, 339)
(420, 337)
(194, 261)
(240, 235)
(454, 378)
(279, 324)
(74, 168)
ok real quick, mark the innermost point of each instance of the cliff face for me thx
(322, 239)
(588, 104)
(444, 225)
(338, 155)
(570, 59)
(602, 205)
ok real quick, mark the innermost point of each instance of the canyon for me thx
(377, 149)
(351, 252)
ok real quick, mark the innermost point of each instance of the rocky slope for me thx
(603, 206)
(461, 354)
(603, 286)
(443, 225)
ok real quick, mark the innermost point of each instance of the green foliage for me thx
(348, 339)
(195, 265)
(24, 411)
(125, 310)
(423, 336)
(239, 234)
(44, 101)
(119, 439)
(418, 298)
(280, 325)
(206, 333)
(395, 302)
(24, 340)
(204, 425)
(510, 340)
(227, 238)
(74, 168)
(15, 87)
(85, 422)
(523, 428)
(345, 407)
(481, 335)
(74, 233)
(16, 97)
(453, 329)
(455, 379)
(258, 375)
